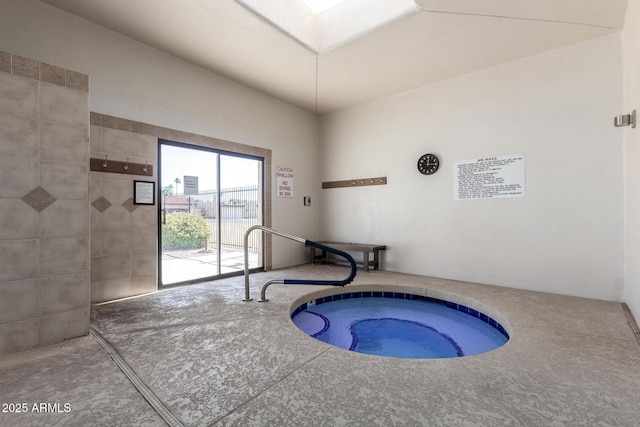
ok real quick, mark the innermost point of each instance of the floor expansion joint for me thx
(145, 391)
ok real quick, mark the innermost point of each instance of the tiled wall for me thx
(123, 235)
(44, 210)
(124, 248)
(69, 236)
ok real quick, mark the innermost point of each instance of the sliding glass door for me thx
(208, 199)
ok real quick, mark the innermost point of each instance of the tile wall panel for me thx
(144, 239)
(44, 232)
(121, 288)
(96, 268)
(64, 180)
(144, 216)
(96, 291)
(18, 97)
(116, 143)
(144, 264)
(19, 221)
(116, 267)
(116, 242)
(117, 191)
(17, 260)
(62, 326)
(25, 67)
(65, 218)
(77, 81)
(116, 217)
(96, 238)
(63, 143)
(18, 176)
(52, 74)
(18, 137)
(143, 284)
(61, 105)
(64, 255)
(143, 146)
(63, 293)
(95, 141)
(19, 336)
(20, 301)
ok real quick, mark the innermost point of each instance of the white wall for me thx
(631, 68)
(131, 80)
(565, 236)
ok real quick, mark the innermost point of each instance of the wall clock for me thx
(428, 164)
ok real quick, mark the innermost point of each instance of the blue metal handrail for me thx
(346, 281)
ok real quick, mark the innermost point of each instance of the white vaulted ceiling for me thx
(435, 40)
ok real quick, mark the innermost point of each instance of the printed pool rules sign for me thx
(497, 177)
(284, 181)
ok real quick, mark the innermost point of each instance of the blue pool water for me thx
(405, 326)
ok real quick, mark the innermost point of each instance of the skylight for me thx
(319, 6)
(323, 25)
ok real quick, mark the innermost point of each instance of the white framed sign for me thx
(284, 181)
(497, 177)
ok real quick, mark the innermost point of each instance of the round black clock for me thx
(428, 164)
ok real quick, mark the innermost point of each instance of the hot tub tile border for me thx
(401, 295)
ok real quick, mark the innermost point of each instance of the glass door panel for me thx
(189, 214)
(240, 208)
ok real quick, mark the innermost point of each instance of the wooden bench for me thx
(351, 247)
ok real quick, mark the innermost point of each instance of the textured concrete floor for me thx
(216, 360)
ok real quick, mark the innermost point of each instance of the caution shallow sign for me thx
(284, 181)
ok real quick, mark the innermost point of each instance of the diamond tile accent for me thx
(101, 204)
(128, 205)
(38, 198)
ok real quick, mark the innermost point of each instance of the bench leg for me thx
(365, 261)
(376, 260)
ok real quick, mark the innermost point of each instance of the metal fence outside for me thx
(239, 210)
